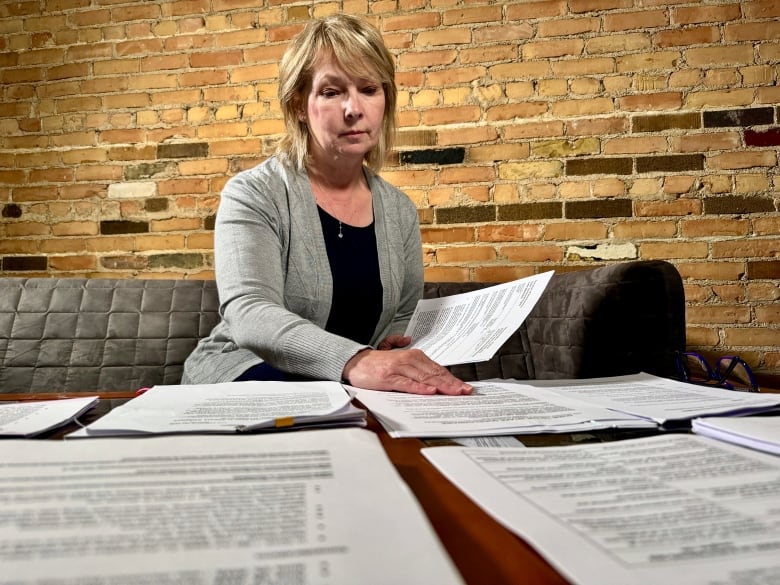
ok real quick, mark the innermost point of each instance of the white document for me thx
(324, 507)
(494, 408)
(660, 399)
(755, 432)
(26, 419)
(665, 509)
(472, 326)
(228, 408)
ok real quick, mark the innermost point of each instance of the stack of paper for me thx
(666, 509)
(308, 507)
(755, 432)
(27, 419)
(233, 407)
(541, 406)
(494, 408)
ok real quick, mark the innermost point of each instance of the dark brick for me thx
(115, 227)
(598, 208)
(156, 204)
(144, 170)
(521, 211)
(666, 122)
(21, 263)
(735, 204)
(745, 117)
(208, 223)
(185, 150)
(176, 261)
(131, 262)
(599, 166)
(763, 269)
(478, 214)
(670, 163)
(12, 210)
(768, 138)
(430, 156)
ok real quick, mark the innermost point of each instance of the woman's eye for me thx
(371, 90)
(329, 93)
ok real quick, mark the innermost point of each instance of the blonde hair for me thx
(358, 48)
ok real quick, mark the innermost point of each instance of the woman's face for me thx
(344, 113)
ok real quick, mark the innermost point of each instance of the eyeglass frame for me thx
(716, 377)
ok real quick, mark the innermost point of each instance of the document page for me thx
(228, 408)
(660, 399)
(309, 507)
(494, 408)
(755, 432)
(472, 326)
(667, 509)
(26, 419)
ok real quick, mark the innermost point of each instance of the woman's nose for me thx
(352, 109)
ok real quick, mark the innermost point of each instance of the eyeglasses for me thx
(730, 372)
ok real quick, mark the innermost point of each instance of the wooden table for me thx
(485, 552)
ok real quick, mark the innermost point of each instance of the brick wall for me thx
(534, 135)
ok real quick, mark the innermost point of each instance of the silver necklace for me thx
(341, 235)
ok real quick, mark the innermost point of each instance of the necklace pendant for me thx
(341, 235)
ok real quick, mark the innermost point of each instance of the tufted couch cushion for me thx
(87, 334)
(112, 334)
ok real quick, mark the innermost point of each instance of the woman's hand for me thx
(405, 370)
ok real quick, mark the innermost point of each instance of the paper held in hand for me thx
(471, 327)
(232, 407)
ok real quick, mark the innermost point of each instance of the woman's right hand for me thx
(404, 370)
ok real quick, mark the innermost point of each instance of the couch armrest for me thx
(618, 319)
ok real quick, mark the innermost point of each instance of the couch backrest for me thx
(99, 334)
(112, 334)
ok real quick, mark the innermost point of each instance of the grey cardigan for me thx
(275, 283)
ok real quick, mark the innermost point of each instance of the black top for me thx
(357, 286)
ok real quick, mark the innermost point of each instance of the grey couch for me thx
(113, 334)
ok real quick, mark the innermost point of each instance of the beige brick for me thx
(522, 232)
(635, 145)
(75, 228)
(451, 115)
(766, 226)
(676, 207)
(466, 174)
(752, 336)
(752, 248)
(662, 250)
(498, 152)
(582, 107)
(742, 160)
(529, 170)
(532, 253)
(466, 254)
(705, 228)
(640, 229)
(551, 49)
(713, 56)
(450, 36)
(710, 270)
(575, 230)
(704, 142)
(514, 111)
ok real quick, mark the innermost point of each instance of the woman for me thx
(319, 260)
